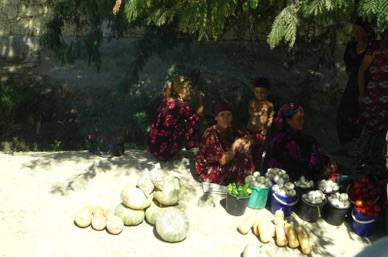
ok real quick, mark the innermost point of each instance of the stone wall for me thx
(21, 23)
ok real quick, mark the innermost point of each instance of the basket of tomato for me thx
(363, 191)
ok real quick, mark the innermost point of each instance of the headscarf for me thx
(286, 111)
(222, 105)
(367, 27)
(173, 87)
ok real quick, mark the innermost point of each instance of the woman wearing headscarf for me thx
(348, 110)
(292, 150)
(224, 154)
(177, 125)
(373, 85)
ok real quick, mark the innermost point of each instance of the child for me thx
(261, 113)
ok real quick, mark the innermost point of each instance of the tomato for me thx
(377, 208)
(369, 203)
(365, 179)
(362, 210)
(359, 203)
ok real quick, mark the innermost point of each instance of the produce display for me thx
(339, 200)
(328, 186)
(277, 175)
(278, 229)
(257, 180)
(302, 182)
(364, 194)
(285, 189)
(314, 197)
(237, 189)
(155, 198)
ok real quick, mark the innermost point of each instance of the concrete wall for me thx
(21, 24)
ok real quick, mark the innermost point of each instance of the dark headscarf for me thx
(367, 27)
(286, 111)
(222, 105)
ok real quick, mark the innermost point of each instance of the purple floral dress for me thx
(374, 106)
(211, 149)
(296, 153)
(177, 127)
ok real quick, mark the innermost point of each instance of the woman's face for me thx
(224, 119)
(186, 93)
(297, 121)
(359, 33)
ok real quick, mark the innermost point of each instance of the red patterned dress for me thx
(177, 127)
(211, 149)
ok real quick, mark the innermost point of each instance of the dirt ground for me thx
(41, 191)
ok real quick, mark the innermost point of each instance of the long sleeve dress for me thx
(348, 109)
(177, 127)
(211, 149)
(296, 153)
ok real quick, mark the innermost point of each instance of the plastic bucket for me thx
(236, 205)
(363, 225)
(334, 215)
(284, 203)
(308, 211)
(259, 196)
(344, 181)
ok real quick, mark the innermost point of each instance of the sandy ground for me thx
(40, 192)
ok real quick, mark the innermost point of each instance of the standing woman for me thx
(177, 125)
(348, 110)
(373, 105)
(224, 154)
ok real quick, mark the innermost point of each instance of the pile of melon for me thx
(154, 198)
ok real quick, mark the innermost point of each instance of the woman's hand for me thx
(242, 145)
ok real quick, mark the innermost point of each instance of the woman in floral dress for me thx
(348, 110)
(224, 154)
(177, 125)
(294, 151)
(373, 84)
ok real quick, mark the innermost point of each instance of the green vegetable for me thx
(238, 189)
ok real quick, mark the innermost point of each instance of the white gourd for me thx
(172, 224)
(129, 216)
(145, 183)
(134, 198)
(114, 225)
(151, 212)
(172, 192)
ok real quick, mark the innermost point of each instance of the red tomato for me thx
(362, 210)
(377, 208)
(365, 179)
(369, 203)
(359, 203)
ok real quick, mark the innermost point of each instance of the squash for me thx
(172, 224)
(264, 231)
(292, 237)
(157, 176)
(280, 235)
(151, 212)
(129, 216)
(304, 240)
(172, 193)
(247, 223)
(98, 210)
(83, 218)
(99, 222)
(279, 214)
(114, 225)
(134, 198)
(108, 213)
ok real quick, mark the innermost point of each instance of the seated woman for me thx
(177, 125)
(294, 151)
(224, 154)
